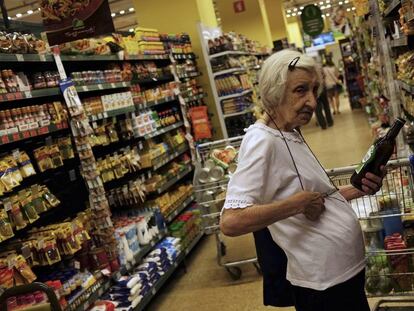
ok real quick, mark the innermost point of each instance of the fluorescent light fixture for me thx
(328, 1)
(328, 6)
(340, 3)
(113, 14)
(353, 8)
(346, 1)
(348, 9)
(295, 9)
(131, 9)
(289, 11)
(30, 12)
(288, 15)
(131, 29)
(321, 2)
(19, 15)
(327, 14)
(9, 17)
(299, 13)
(122, 12)
(293, 14)
(323, 15)
(301, 8)
(322, 7)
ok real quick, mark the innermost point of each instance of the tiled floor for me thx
(206, 286)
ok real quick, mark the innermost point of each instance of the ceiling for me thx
(29, 10)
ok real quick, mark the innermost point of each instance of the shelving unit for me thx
(237, 117)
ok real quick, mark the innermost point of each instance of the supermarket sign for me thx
(312, 21)
(70, 20)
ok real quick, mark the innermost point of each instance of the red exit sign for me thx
(239, 6)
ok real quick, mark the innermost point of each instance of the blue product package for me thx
(392, 224)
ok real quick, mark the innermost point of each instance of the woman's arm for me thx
(238, 221)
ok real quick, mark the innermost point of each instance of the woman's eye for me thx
(300, 89)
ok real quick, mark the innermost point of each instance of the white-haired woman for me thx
(280, 185)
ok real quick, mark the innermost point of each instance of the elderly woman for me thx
(280, 185)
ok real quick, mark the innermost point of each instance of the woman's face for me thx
(299, 100)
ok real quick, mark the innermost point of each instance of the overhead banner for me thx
(312, 21)
(70, 20)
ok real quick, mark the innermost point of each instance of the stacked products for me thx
(232, 84)
(238, 104)
(106, 103)
(186, 227)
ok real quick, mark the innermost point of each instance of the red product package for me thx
(201, 124)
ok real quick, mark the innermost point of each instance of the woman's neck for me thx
(276, 123)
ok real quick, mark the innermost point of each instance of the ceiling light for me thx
(131, 9)
(348, 9)
(346, 1)
(288, 15)
(19, 15)
(30, 12)
(321, 2)
(340, 3)
(122, 12)
(353, 8)
(301, 8)
(299, 13)
(322, 7)
(293, 14)
(113, 14)
(328, 1)
(323, 15)
(131, 29)
(327, 14)
(328, 6)
(295, 9)
(9, 17)
(289, 11)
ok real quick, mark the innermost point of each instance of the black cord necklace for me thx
(293, 160)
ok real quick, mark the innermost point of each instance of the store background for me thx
(264, 21)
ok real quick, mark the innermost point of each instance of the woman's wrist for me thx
(350, 193)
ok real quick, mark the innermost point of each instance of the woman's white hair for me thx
(273, 76)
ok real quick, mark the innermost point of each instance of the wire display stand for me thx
(210, 184)
(386, 218)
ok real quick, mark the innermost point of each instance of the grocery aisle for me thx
(206, 286)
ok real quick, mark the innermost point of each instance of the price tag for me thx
(100, 86)
(28, 94)
(42, 57)
(85, 88)
(20, 57)
(18, 95)
(153, 291)
(76, 265)
(124, 84)
(33, 133)
(59, 126)
(26, 134)
(10, 96)
(43, 130)
(113, 85)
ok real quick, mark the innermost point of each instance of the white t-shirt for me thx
(331, 76)
(320, 253)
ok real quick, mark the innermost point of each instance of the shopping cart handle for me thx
(30, 288)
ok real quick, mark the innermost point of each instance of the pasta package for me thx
(25, 165)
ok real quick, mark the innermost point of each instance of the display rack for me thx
(91, 187)
(239, 101)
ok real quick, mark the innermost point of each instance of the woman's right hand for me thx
(312, 204)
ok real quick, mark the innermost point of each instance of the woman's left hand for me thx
(371, 183)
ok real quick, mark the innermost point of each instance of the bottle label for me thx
(367, 158)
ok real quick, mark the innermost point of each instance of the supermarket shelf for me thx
(156, 102)
(228, 53)
(112, 113)
(154, 79)
(409, 17)
(164, 130)
(177, 153)
(138, 257)
(393, 5)
(10, 138)
(172, 181)
(228, 71)
(235, 95)
(190, 75)
(87, 297)
(184, 56)
(102, 86)
(179, 209)
(89, 58)
(403, 41)
(144, 302)
(237, 113)
(25, 58)
(194, 97)
(407, 87)
(147, 57)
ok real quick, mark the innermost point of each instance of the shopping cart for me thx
(210, 183)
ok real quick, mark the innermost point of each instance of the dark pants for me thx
(323, 104)
(347, 296)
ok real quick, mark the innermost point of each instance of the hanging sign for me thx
(239, 6)
(70, 20)
(312, 21)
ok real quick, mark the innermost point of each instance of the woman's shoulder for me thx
(260, 133)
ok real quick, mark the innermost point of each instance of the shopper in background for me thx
(323, 111)
(281, 189)
(332, 83)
